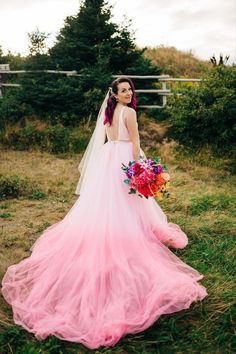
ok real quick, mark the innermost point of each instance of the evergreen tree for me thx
(91, 36)
(81, 40)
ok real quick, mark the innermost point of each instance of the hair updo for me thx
(111, 102)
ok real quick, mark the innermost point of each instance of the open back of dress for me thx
(118, 131)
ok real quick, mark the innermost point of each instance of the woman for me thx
(105, 270)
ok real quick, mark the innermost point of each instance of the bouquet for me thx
(147, 177)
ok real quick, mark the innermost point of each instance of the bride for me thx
(105, 270)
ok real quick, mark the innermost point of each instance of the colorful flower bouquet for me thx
(147, 177)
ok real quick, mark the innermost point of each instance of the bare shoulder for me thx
(130, 114)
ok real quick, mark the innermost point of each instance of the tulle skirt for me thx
(103, 271)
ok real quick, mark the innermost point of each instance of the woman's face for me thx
(125, 93)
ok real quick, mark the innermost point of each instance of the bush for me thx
(57, 138)
(11, 110)
(22, 139)
(205, 115)
(14, 187)
(37, 194)
(54, 139)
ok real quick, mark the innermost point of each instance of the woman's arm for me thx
(132, 126)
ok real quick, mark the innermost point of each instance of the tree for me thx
(16, 61)
(80, 41)
(1, 53)
(222, 60)
(37, 42)
(91, 35)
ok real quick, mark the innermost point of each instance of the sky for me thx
(204, 27)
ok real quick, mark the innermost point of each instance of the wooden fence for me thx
(164, 92)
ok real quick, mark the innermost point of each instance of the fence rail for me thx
(163, 79)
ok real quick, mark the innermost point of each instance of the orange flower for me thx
(159, 179)
(165, 176)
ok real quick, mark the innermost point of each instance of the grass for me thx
(202, 201)
(177, 62)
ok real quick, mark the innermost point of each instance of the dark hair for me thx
(111, 102)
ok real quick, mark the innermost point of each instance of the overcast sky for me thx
(204, 26)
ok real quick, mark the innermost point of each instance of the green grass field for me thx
(202, 201)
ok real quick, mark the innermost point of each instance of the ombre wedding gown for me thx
(103, 271)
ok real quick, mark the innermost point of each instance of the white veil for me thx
(97, 140)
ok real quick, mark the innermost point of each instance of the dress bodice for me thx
(121, 131)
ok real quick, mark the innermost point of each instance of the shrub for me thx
(22, 139)
(14, 187)
(37, 194)
(205, 115)
(11, 110)
(58, 138)
(55, 139)
(5, 215)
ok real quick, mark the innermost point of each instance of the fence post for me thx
(0, 86)
(3, 67)
(164, 97)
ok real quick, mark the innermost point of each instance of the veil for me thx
(96, 141)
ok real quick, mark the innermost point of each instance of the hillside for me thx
(176, 62)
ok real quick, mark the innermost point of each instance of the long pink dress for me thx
(103, 271)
